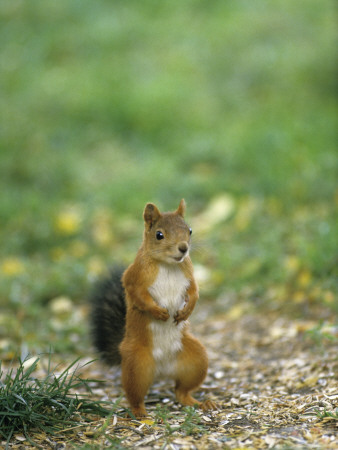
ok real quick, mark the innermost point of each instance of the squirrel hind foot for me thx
(187, 400)
(139, 411)
(208, 405)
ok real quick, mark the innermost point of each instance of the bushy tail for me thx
(108, 316)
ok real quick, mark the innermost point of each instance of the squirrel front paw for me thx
(160, 313)
(182, 314)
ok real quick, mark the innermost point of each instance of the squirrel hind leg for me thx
(192, 366)
(138, 370)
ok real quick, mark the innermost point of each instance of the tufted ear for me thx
(181, 208)
(151, 215)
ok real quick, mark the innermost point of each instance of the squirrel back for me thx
(108, 316)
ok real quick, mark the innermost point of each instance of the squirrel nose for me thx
(183, 247)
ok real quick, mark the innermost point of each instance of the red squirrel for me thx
(142, 322)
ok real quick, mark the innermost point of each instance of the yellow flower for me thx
(12, 266)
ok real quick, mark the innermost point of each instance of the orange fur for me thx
(157, 328)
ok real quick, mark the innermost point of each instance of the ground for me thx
(275, 387)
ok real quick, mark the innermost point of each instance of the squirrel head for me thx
(166, 235)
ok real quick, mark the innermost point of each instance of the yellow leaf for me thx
(68, 221)
(298, 297)
(61, 305)
(220, 208)
(292, 264)
(304, 278)
(102, 228)
(243, 448)
(12, 267)
(147, 422)
(4, 344)
(102, 234)
(235, 312)
(29, 362)
(310, 381)
(202, 274)
(244, 213)
(328, 297)
(57, 253)
(78, 248)
(96, 266)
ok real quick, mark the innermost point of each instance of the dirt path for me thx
(273, 382)
(269, 379)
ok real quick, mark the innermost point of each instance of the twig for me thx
(126, 427)
(71, 428)
(149, 439)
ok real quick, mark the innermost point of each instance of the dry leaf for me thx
(61, 305)
(219, 209)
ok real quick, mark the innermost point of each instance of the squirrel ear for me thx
(181, 208)
(151, 214)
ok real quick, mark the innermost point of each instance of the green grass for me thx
(189, 425)
(47, 404)
(327, 414)
(320, 335)
(107, 105)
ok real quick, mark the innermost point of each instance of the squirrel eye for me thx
(190, 231)
(159, 235)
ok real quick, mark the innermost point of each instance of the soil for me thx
(274, 385)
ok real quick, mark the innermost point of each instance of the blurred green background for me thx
(108, 105)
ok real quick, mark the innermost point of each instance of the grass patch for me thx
(107, 106)
(328, 414)
(321, 333)
(49, 404)
(190, 422)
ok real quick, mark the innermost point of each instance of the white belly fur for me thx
(168, 291)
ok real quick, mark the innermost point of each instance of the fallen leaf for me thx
(61, 305)
(147, 422)
(219, 209)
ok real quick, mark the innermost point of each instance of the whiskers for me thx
(159, 251)
(161, 254)
(199, 246)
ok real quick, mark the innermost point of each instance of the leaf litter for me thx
(274, 385)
